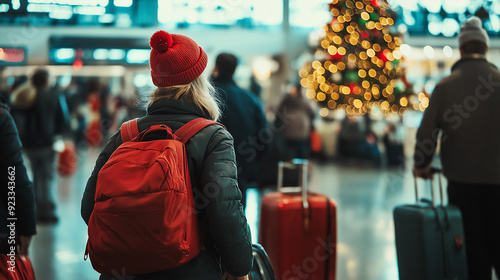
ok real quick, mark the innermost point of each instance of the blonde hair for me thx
(200, 91)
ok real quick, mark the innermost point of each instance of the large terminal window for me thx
(221, 13)
(262, 14)
(309, 14)
(444, 17)
(113, 13)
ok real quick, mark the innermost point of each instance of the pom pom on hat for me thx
(473, 22)
(472, 30)
(161, 41)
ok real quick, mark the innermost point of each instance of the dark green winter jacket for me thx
(212, 167)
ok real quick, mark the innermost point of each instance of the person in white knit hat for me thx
(464, 107)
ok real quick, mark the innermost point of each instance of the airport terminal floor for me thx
(365, 197)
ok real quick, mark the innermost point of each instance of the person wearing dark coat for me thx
(465, 108)
(243, 117)
(297, 122)
(183, 95)
(42, 121)
(15, 183)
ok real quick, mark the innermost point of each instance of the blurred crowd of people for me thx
(85, 112)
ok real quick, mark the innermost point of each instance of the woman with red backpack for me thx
(138, 203)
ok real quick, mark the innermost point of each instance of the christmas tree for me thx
(358, 64)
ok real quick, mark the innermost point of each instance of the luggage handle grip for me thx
(433, 196)
(293, 164)
(302, 188)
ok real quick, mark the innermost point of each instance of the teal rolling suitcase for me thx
(430, 240)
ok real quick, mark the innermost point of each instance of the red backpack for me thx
(144, 218)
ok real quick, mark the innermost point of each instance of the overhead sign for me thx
(98, 51)
(12, 56)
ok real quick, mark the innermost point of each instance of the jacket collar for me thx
(4, 101)
(223, 80)
(168, 106)
(466, 59)
(4, 106)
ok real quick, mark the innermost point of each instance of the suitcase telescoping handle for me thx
(302, 165)
(434, 203)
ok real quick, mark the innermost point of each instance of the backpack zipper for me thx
(86, 255)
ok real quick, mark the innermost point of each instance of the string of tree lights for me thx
(358, 63)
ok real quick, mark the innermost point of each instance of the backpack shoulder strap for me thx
(192, 127)
(129, 130)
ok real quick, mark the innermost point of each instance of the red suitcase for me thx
(68, 160)
(298, 229)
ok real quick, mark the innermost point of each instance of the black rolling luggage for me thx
(262, 268)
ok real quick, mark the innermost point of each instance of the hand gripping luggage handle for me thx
(434, 203)
(302, 188)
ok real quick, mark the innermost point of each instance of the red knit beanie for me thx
(175, 59)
